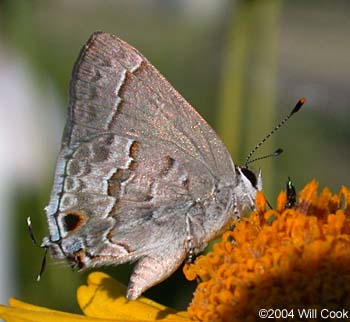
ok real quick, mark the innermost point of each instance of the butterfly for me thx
(140, 177)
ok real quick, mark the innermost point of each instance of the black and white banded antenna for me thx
(296, 108)
(43, 262)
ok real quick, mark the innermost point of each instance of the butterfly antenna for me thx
(274, 154)
(32, 237)
(296, 108)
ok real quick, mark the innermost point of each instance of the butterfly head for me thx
(248, 183)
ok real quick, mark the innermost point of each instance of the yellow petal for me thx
(22, 312)
(104, 297)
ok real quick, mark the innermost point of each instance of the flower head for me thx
(282, 258)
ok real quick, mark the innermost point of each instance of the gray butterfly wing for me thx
(140, 176)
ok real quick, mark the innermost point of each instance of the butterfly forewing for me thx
(115, 89)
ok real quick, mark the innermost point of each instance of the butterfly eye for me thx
(250, 175)
(73, 220)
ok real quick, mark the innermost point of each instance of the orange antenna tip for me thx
(298, 105)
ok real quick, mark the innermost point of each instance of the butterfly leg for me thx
(236, 210)
(189, 239)
(236, 213)
(191, 253)
(194, 246)
(153, 269)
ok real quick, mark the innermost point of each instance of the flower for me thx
(288, 259)
(101, 300)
